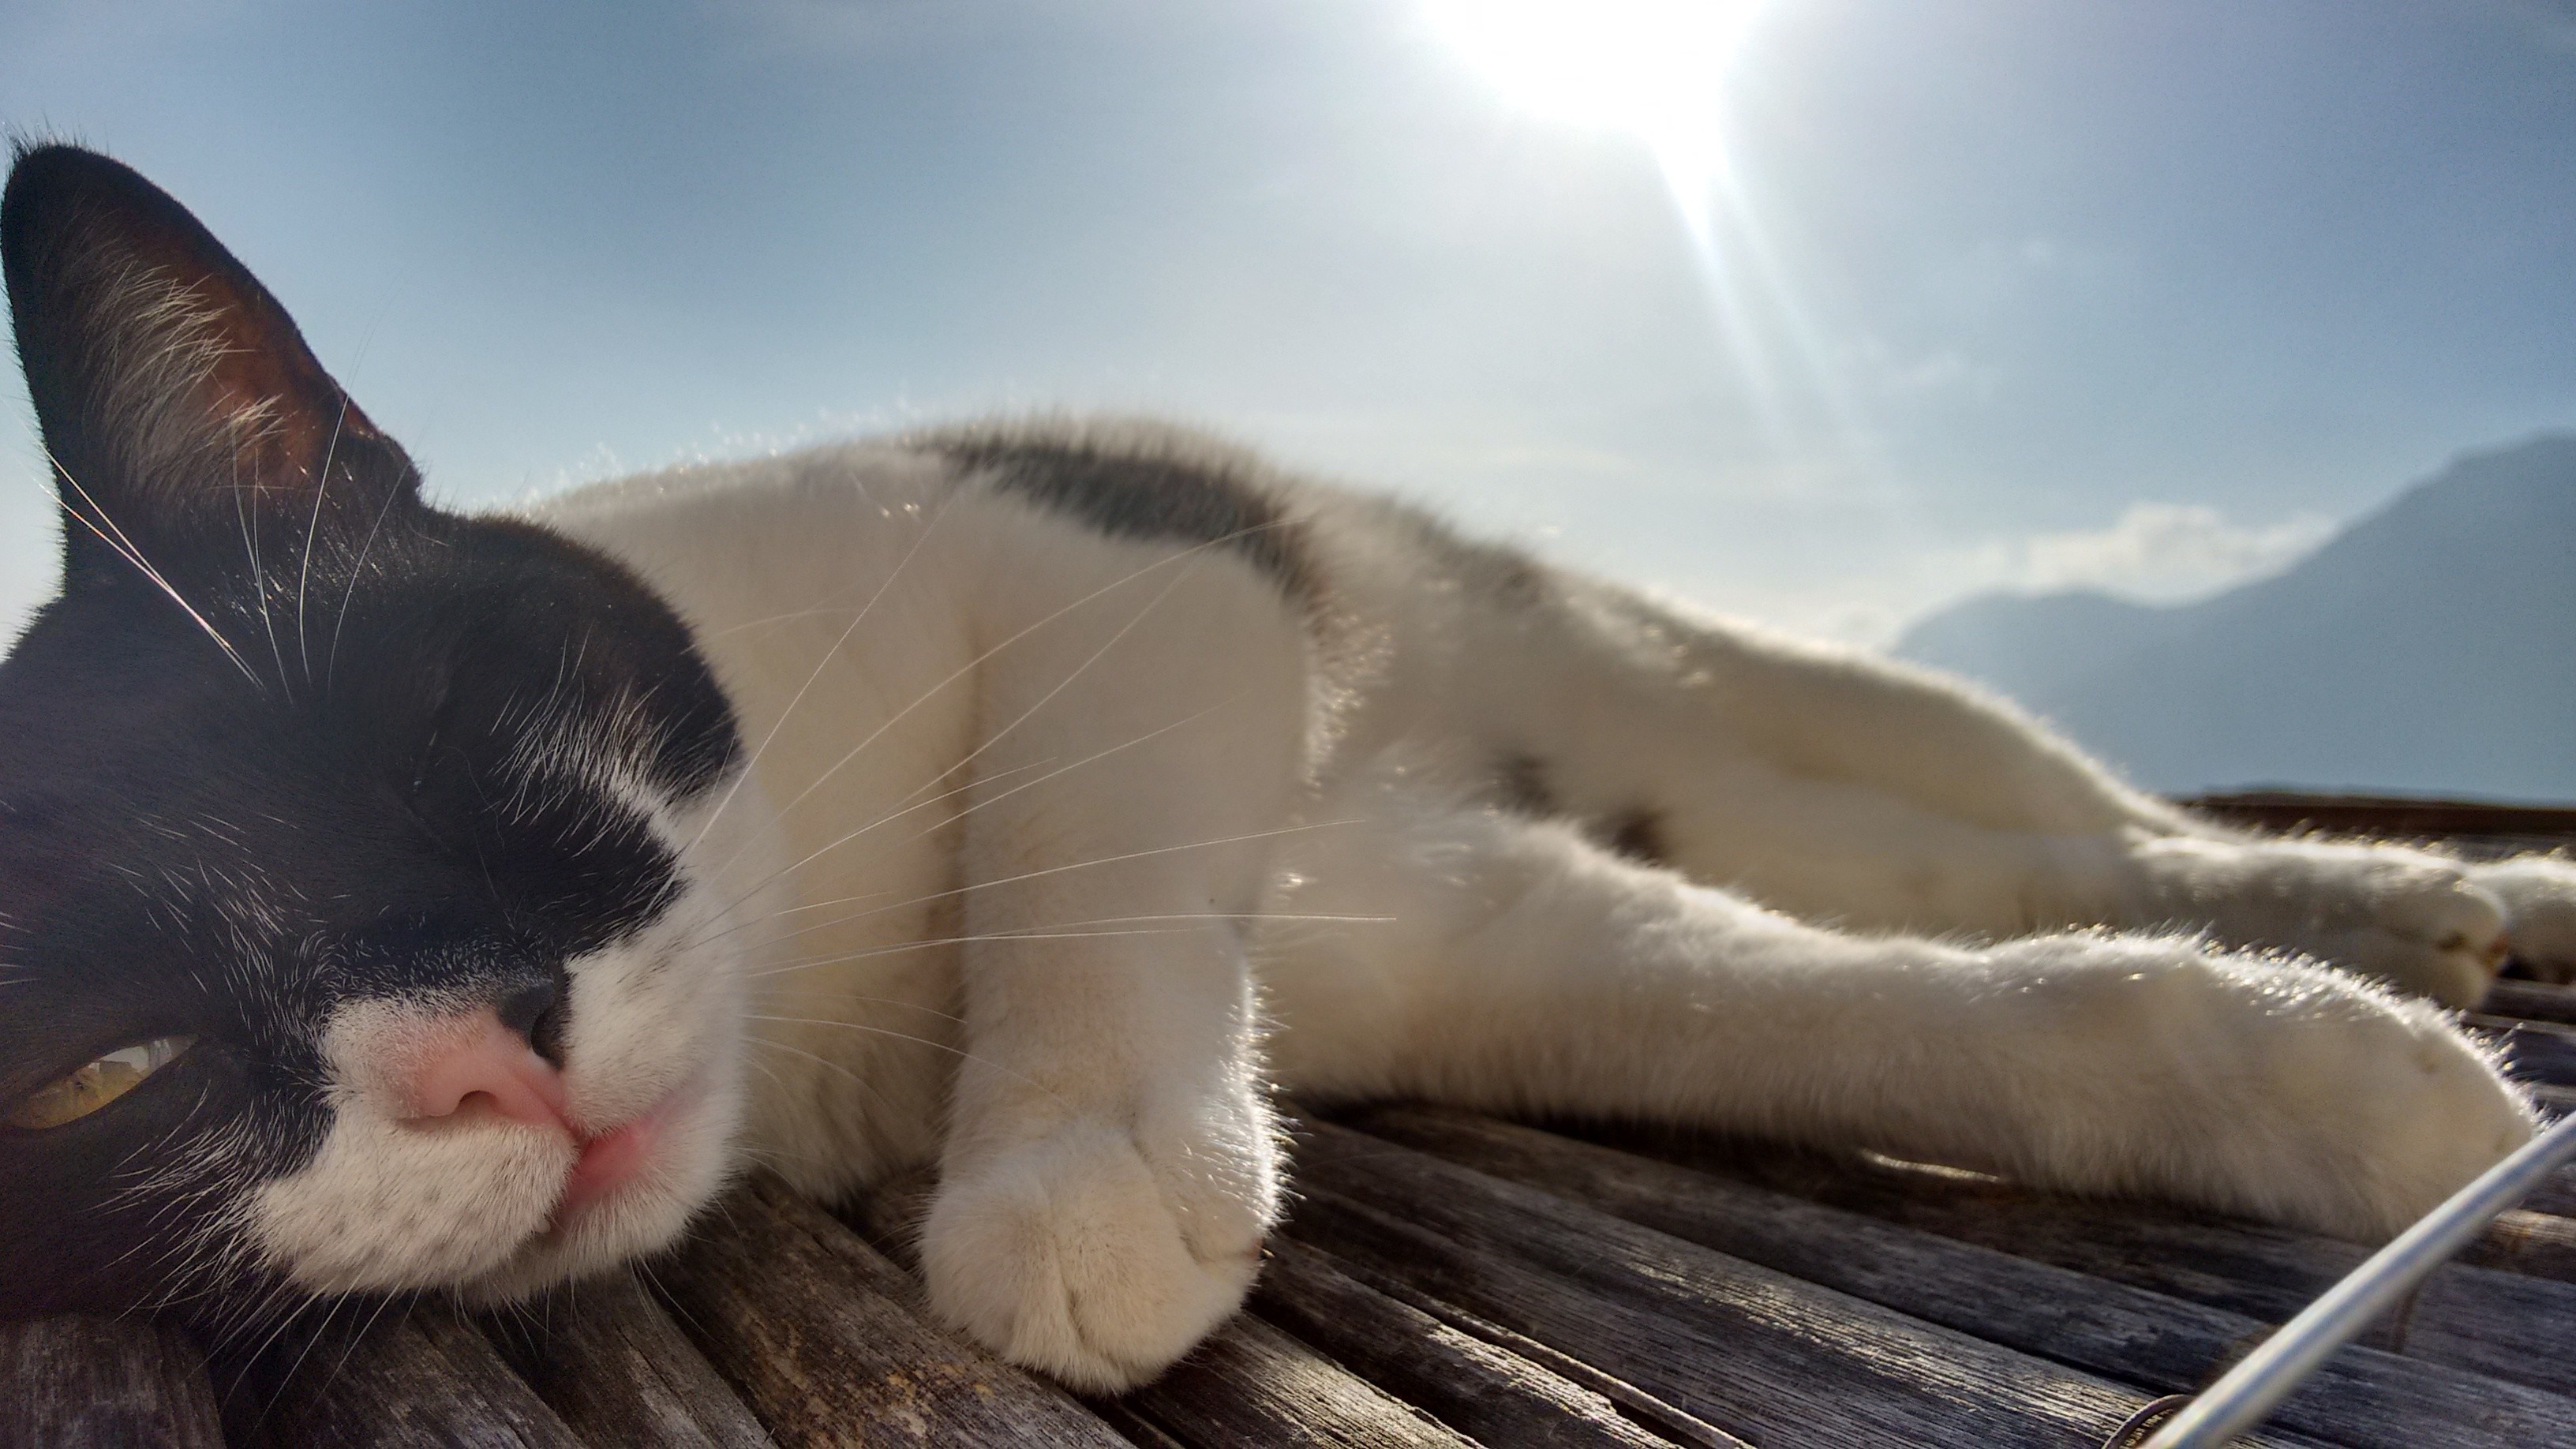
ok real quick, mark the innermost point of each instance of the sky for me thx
(1817, 312)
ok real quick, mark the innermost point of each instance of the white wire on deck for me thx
(2240, 1399)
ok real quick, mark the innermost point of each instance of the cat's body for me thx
(1079, 782)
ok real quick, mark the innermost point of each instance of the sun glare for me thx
(1657, 70)
(1652, 68)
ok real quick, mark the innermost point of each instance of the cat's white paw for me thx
(2419, 922)
(1099, 1254)
(2539, 895)
(2281, 1091)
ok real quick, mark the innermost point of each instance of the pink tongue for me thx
(606, 1162)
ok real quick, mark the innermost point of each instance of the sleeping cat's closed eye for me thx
(70, 1098)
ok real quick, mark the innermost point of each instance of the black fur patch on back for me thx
(1145, 486)
(1520, 786)
(1637, 834)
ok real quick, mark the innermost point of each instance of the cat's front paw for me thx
(2419, 922)
(2539, 895)
(2307, 1098)
(1096, 1253)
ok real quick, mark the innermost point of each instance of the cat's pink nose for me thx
(472, 1064)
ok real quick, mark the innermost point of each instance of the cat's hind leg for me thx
(1856, 791)
(1522, 968)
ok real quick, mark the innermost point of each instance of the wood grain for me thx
(819, 1334)
(417, 1377)
(1468, 1383)
(104, 1383)
(2361, 1397)
(1252, 1384)
(1754, 1352)
(608, 1359)
(2472, 1317)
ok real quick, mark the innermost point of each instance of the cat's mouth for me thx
(612, 1160)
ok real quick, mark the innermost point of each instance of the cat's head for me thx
(358, 930)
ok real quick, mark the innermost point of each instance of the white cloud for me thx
(2157, 552)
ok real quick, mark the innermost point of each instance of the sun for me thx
(1652, 68)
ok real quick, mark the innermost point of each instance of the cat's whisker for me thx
(862, 1083)
(313, 534)
(331, 664)
(1099, 861)
(980, 885)
(124, 548)
(1061, 685)
(958, 1052)
(820, 664)
(248, 518)
(812, 962)
(902, 809)
(837, 995)
(341, 1365)
(898, 814)
(897, 811)
(1057, 930)
(971, 665)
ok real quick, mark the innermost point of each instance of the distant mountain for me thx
(2430, 647)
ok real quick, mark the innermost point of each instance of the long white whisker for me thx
(1076, 865)
(1056, 931)
(124, 548)
(757, 886)
(313, 535)
(969, 667)
(959, 1052)
(249, 519)
(816, 672)
(331, 665)
(898, 814)
(811, 962)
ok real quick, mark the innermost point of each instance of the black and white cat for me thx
(394, 899)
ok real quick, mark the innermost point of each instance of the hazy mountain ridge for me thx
(2429, 647)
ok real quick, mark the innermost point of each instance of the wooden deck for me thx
(1448, 1279)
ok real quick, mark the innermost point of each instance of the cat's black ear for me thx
(180, 405)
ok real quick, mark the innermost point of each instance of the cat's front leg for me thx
(1110, 1172)
(1525, 969)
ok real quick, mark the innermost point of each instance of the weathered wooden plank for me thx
(2532, 1001)
(1755, 1352)
(1252, 1384)
(2472, 1317)
(2534, 1051)
(420, 1377)
(2405, 816)
(1468, 1384)
(2542, 1245)
(1644, 1408)
(608, 1359)
(817, 1331)
(2361, 1397)
(104, 1383)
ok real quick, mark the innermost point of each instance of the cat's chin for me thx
(634, 1191)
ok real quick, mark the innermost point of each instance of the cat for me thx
(397, 899)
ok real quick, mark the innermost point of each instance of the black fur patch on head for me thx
(1143, 484)
(282, 743)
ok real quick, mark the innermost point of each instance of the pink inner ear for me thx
(265, 372)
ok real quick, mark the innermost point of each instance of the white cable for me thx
(2240, 1399)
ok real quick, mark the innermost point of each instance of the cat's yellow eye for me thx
(96, 1085)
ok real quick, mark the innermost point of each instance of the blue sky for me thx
(2001, 294)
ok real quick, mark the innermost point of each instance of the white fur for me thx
(1029, 802)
